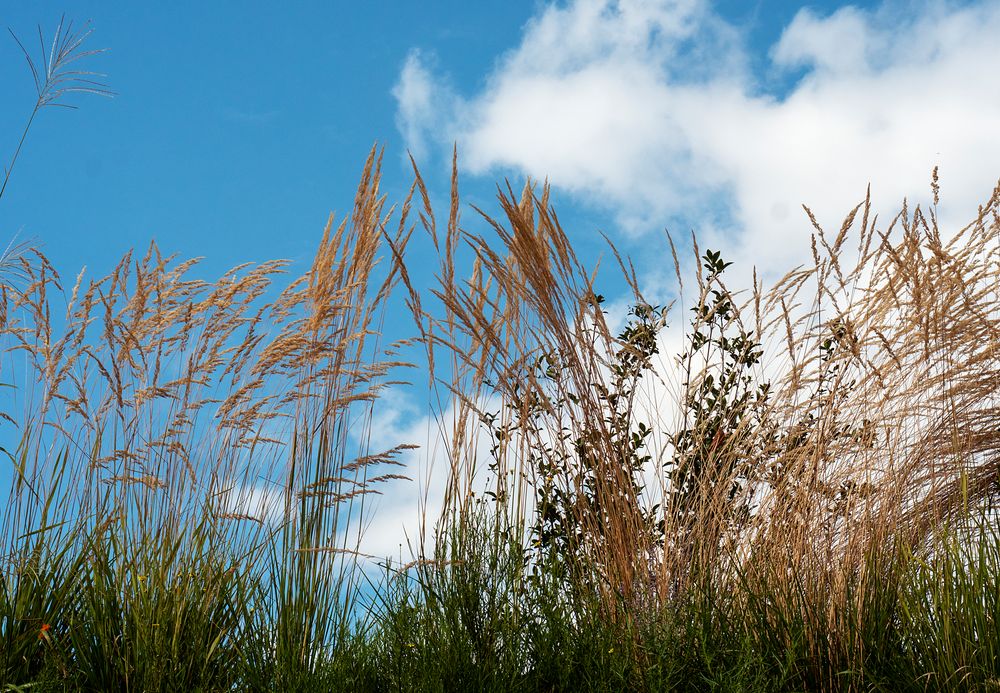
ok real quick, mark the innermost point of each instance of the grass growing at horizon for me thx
(801, 498)
(812, 511)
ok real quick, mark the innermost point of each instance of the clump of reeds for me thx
(190, 462)
(802, 498)
(822, 434)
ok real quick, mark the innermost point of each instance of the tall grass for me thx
(773, 501)
(191, 464)
(802, 499)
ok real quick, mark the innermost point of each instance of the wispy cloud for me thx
(423, 102)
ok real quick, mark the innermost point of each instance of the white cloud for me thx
(421, 101)
(647, 108)
(839, 43)
(399, 523)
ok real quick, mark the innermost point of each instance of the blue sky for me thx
(238, 127)
(234, 132)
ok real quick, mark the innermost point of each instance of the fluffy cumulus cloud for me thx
(649, 108)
